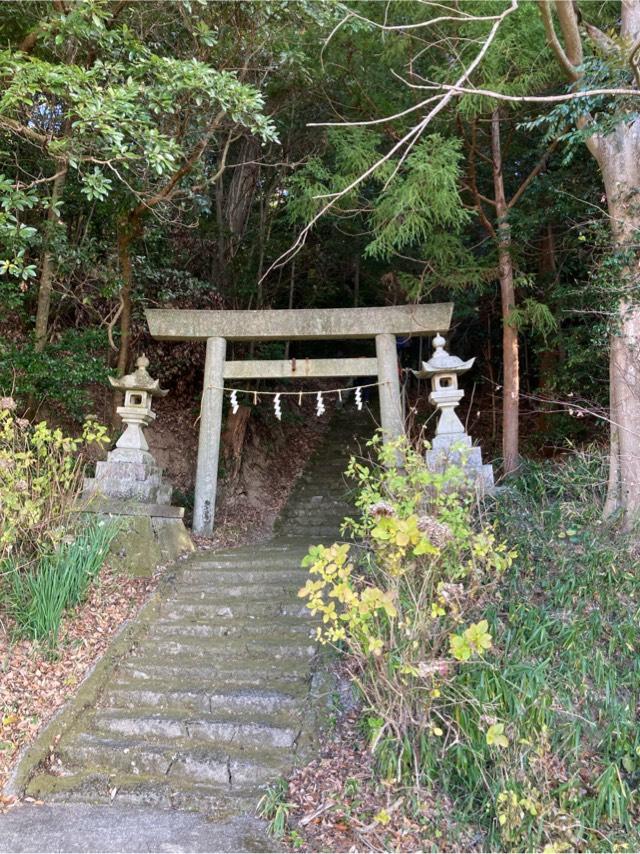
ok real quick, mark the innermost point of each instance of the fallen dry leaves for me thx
(34, 684)
(338, 805)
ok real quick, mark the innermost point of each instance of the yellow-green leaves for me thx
(397, 537)
(382, 817)
(399, 532)
(40, 473)
(344, 605)
(515, 811)
(474, 640)
(495, 736)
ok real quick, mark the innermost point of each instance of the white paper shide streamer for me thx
(276, 407)
(320, 410)
(234, 401)
(359, 398)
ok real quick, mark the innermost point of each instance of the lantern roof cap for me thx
(139, 380)
(442, 361)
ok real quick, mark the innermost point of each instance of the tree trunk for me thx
(221, 241)
(612, 501)
(129, 229)
(617, 154)
(233, 440)
(510, 354)
(48, 260)
(241, 190)
(548, 357)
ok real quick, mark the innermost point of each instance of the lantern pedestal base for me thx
(456, 450)
(130, 475)
(150, 535)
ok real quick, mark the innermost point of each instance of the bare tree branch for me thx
(406, 142)
(24, 131)
(523, 99)
(554, 42)
(463, 18)
(537, 169)
(381, 121)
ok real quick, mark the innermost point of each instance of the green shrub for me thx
(408, 605)
(60, 375)
(40, 477)
(38, 597)
(508, 676)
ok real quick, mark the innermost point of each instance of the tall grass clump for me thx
(38, 597)
(570, 615)
(495, 649)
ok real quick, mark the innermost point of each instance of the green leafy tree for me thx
(129, 120)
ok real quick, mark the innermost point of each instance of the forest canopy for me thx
(254, 155)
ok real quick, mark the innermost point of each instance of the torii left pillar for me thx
(209, 440)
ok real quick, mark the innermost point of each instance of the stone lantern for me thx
(139, 390)
(130, 473)
(451, 443)
(130, 485)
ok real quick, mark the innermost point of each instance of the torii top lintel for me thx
(298, 324)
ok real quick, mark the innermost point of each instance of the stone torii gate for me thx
(218, 327)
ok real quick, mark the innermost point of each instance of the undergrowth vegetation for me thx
(38, 597)
(494, 648)
(49, 553)
(40, 479)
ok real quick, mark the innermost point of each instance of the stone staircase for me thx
(220, 693)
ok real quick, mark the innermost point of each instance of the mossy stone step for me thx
(203, 609)
(214, 578)
(284, 627)
(148, 791)
(277, 562)
(278, 591)
(238, 702)
(281, 676)
(203, 729)
(226, 767)
(235, 587)
(199, 647)
(226, 665)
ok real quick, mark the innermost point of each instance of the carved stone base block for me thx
(129, 474)
(460, 452)
(150, 535)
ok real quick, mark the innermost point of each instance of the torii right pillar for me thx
(391, 416)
